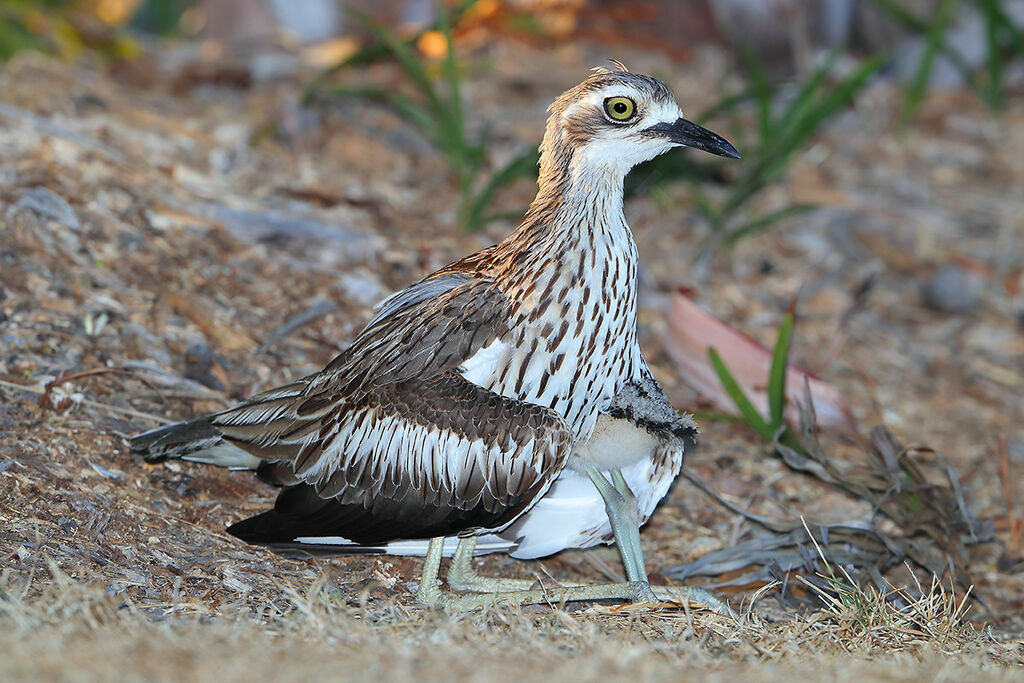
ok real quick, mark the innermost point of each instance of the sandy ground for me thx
(189, 225)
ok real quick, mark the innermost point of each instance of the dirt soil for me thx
(160, 231)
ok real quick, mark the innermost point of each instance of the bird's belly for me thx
(572, 514)
(614, 443)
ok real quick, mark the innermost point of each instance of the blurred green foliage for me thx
(161, 17)
(67, 28)
(1004, 43)
(772, 428)
(437, 111)
(788, 117)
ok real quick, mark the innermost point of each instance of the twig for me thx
(317, 310)
(177, 387)
(767, 522)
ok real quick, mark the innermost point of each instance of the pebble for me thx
(951, 290)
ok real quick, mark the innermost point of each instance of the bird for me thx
(499, 404)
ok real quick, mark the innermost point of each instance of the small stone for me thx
(951, 289)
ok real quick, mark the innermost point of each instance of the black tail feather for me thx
(176, 440)
(301, 512)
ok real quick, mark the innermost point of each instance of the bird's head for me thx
(615, 120)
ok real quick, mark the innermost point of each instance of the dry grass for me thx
(111, 569)
(76, 632)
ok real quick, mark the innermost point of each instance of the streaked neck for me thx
(577, 201)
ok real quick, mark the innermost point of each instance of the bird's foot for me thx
(463, 576)
(695, 595)
(473, 591)
(635, 591)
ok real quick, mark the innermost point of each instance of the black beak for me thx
(683, 132)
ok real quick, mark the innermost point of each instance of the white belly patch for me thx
(614, 444)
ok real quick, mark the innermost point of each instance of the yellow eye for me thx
(619, 108)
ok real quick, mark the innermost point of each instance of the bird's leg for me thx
(462, 575)
(491, 591)
(497, 594)
(427, 592)
(633, 529)
(620, 503)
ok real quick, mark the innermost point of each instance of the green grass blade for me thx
(919, 26)
(999, 25)
(464, 156)
(406, 57)
(418, 115)
(725, 105)
(777, 373)
(805, 95)
(802, 121)
(840, 95)
(994, 58)
(902, 15)
(15, 37)
(933, 39)
(1007, 25)
(747, 410)
(810, 110)
(762, 90)
(364, 55)
(764, 222)
(374, 51)
(451, 69)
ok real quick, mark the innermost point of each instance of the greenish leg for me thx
(429, 594)
(486, 591)
(462, 575)
(620, 503)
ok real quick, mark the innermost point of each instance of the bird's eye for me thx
(619, 109)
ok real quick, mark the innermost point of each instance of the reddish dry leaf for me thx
(692, 331)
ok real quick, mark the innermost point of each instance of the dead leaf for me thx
(692, 331)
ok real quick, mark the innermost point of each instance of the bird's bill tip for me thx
(689, 134)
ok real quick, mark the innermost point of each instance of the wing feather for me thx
(390, 427)
(413, 481)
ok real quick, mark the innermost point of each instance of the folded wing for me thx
(390, 441)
